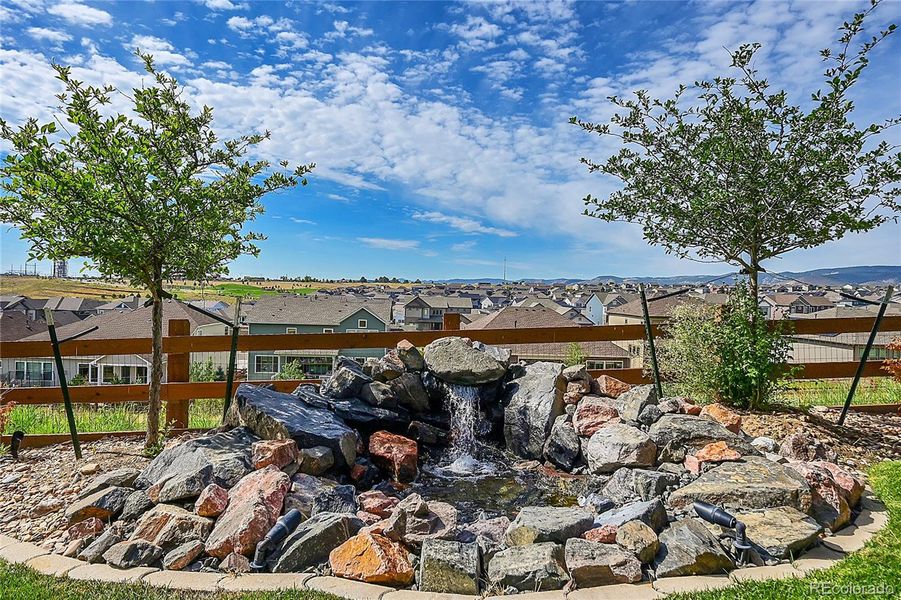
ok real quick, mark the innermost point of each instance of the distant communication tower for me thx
(60, 269)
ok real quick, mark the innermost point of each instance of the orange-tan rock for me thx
(610, 386)
(372, 558)
(280, 453)
(605, 534)
(725, 417)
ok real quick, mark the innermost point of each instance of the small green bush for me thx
(574, 355)
(291, 370)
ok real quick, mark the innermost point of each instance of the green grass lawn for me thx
(875, 565)
(832, 392)
(252, 291)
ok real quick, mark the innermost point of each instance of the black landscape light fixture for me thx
(16, 443)
(282, 529)
(718, 516)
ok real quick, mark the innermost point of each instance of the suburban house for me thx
(110, 369)
(126, 303)
(572, 313)
(599, 354)
(312, 314)
(631, 313)
(805, 305)
(426, 313)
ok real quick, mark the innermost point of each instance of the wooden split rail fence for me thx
(177, 393)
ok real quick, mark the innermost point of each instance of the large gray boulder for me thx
(309, 545)
(781, 532)
(536, 524)
(630, 404)
(276, 416)
(134, 553)
(449, 567)
(754, 482)
(562, 446)
(189, 474)
(410, 392)
(105, 504)
(652, 513)
(228, 453)
(347, 381)
(117, 478)
(619, 445)
(535, 567)
(688, 548)
(533, 403)
(592, 563)
(456, 360)
(676, 434)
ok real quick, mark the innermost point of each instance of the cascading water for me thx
(462, 403)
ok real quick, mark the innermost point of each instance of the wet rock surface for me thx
(688, 548)
(533, 403)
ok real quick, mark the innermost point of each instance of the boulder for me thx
(535, 567)
(536, 524)
(304, 491)
(619, 445)
(117, 478)
(378, 393)
(235, 564)
(94, 551)
(410, 356)
(781, 532)
(358, 413)
(677, 435)
(395, 454)
(335, 499)
(652, 484)
(688, 548)
(609, 387)
(106, 504)
(804, 447)
(651, 513)
(428, 434)
(388, 367)
(533, 402)
(592, 413)
(829, 504)
(169, 526)
(316, 460)
(596, 503)
(189, 475)
(280, 453)
(620, 487)
(455, 360)
(492, 529)
(848, 483)
(562, 446)
(591, 563)
(630, 404)
(754, 482)
(448, 567)
(669, 405)
(373, 559)
(729, 419)
(414, 520)
(310, 544)
(410, 392)
(276, 416)
(136, 504)
(639, 539)
(212, 501)
(133, 553)
(605, 534)
(182, 556)
(228, 453)
(377, 503)
(577, 373)
(649, 415)
(254, 504)
(85, 530)
(347, 381)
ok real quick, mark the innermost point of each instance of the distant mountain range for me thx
(863, 275)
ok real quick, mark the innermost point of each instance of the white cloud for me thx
(224, 5)
(338, 198)
(302, 221)
(49, 35)
(81, 14)
(464, 224)
(463, 246)
(476, 33)
(389, 244)
(333, 8)
(163, 51)
(344, 30)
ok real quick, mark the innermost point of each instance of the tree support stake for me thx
(649, 334)
(232, 360)
(63, 385)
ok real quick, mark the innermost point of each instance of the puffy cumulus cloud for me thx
(344, 30)
(464, 224)
(48, 35)
(81, 14)
(163, 51)
(476, 33)
(389, 244)
(224, 5)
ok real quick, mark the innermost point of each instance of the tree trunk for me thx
(156, 371)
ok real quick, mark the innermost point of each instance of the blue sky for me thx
(439, 129)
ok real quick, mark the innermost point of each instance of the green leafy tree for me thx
(148, 197)
(202, 371)
(575, 355)
(291, 370)
(730, 171)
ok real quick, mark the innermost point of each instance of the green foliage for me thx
(574, 355)
(291, 370)
(78, 379)
(202, 371)
(152, 450)
(729, 170)
(727, 354)
(148, 197)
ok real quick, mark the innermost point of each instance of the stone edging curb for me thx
(872, 518)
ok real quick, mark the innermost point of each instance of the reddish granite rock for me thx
(254, 504)
(717, 452)
(169, 526)
(85, 529)
(605, 534)
(848, 483)
(280, 453)
(725, 417)
(377, 502)
(368, 518)
(829, 505)
(592, 413)
(372, 558)
(688, 406)
(212, 501)
(609, 386)
(396, 454)
(235, 563)
(692, 463)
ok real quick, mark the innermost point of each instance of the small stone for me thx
(610, 387)
(639, 539)
(316, 460)
(562, 446)
(410, 356)
(105, 504)
(804, 447)
(169, 526)
(619, 445)
(765, 444)
(74, 547)
(651, 513)
(536, 524)
(85, 529)
(591, 564)
(448, 567)
(136, 504)
(133, 553)
(377, 503)
(372, 559)
(89, 469)
(235, 563)
(649, 414)
(47, 506)
(94, 551)
(725, 417)
(212, 501)
(280, 453)
(396, 454)
(631, 403)
(605, 534)
(182, 556)
(335, 499)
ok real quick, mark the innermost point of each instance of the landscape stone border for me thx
(873, 517)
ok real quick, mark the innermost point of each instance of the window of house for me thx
(140, 375)
(362, 324)
(266, 364)
(425, 312)
(28, 370)
(109, 375)
(328, 330)
(290, 329)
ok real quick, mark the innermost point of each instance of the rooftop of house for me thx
(521, 317)
(444, 301)
(314, 310)
(656, 308)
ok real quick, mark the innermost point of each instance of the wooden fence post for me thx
(451, 321)
(178, 369)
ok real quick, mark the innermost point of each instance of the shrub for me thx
(5, 411)
(203, 371)
(574, 355)
(893, 365)
(291, 370)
